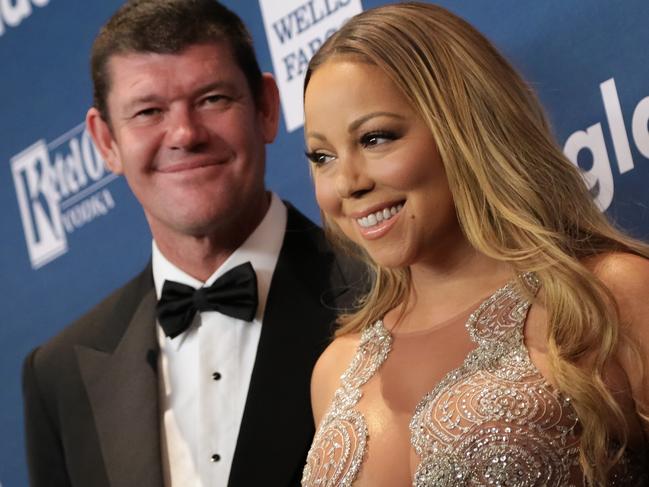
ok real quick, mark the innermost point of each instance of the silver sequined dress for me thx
(493, 421)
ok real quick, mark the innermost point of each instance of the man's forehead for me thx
(213, 60)
(223, 47)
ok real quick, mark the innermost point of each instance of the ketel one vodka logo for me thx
(60, 187)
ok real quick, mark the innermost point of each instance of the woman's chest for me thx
(447, 408)
(483, 420)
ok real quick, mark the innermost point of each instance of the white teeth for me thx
(376, 218)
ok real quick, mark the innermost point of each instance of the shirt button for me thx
(216, 375)
(215, 458)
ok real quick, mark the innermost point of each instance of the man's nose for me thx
(352, 178)
(185, 129)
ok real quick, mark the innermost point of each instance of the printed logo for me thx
(295, 29)
(60, 187)
(599, 176)
(12, 13)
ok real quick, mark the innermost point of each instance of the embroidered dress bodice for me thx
(492, 420)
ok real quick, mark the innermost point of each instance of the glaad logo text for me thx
(591, 142)
(60, 187)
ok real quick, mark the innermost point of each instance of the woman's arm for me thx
(627, 277)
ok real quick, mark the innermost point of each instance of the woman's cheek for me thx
(326, 196)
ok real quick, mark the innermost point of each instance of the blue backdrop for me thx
(68, 222)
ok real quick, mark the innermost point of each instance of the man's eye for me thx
(214, 99)
(319, 158)
(372, 139)
(147, 112)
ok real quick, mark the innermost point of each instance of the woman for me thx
(501, 341)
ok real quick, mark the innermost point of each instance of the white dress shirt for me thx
(205, 371)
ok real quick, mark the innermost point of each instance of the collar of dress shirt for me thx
(261, 249)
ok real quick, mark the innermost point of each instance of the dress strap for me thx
(340, 442)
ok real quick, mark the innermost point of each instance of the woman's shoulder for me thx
(626, 276)
(610, 263)
(336, 357)
(327, 371)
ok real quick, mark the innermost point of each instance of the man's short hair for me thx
(168, 27)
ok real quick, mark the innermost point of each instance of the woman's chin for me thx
(389, 259)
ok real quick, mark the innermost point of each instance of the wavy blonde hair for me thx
(518, 199)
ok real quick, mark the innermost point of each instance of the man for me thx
(146, 390)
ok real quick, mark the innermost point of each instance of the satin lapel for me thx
(122, 388)
(277, 425)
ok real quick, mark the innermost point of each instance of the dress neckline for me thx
(342, 435)
(475, 308)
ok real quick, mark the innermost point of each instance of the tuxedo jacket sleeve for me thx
(90, 397)
(91, 393)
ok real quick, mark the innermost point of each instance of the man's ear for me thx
(103, 137)
(268, 107)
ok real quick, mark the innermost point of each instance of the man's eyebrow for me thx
(215, 85)
(141, 100)
(201, 90)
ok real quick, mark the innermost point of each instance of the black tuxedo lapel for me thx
(277, 425)
(122, 388)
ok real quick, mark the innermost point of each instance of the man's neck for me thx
(202, 254)
(197, 257)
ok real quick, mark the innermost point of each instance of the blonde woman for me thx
(504, 337)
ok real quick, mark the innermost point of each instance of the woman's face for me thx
(376, 167)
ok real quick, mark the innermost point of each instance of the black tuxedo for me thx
(91, 393)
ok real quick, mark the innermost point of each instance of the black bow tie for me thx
(233, 294)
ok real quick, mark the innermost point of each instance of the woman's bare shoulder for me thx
(627, 277)
(327, 371)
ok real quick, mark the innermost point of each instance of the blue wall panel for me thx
(567, 50)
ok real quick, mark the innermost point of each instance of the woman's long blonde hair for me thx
(518, 199)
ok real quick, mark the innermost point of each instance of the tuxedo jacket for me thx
(91, 393)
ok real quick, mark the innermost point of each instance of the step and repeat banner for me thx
(72, 232)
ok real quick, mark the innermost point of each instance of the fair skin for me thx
(627, 277)
(371, 152)
(188, 135)
(373, 157)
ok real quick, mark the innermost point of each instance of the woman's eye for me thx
(319, 158)
(372, 139)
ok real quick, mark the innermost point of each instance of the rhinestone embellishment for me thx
(339, 444)
(494, 421)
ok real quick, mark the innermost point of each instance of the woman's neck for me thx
(441, 290)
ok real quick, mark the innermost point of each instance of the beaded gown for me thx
(492, 420)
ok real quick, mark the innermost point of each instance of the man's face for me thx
(186, 132)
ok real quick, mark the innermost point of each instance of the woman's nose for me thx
(352, 180)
